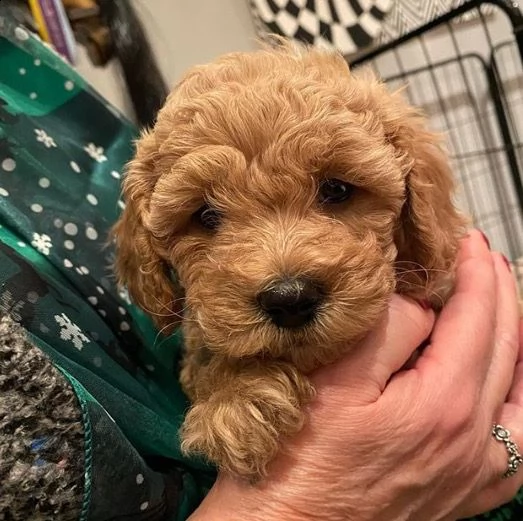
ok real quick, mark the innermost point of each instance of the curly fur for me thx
(252, 135)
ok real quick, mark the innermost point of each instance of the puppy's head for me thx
(287, 198)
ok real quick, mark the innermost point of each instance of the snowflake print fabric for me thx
(11, 307)
(97, 153)
(42, 243)
(70, 331)
(42, 137)
(62, 151)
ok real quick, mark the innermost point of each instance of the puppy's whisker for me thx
(160, 332)
(418, 279)
(440, 298)
(402, 274)
(409, 262)
(156, 314)
(166, 305)
(173, 314)
(433, 293)
(170, 313)
(420, 270)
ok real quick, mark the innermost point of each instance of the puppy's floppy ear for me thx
(430, 225)
(138, 265)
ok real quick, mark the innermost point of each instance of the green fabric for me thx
(22, 79)
(62, 150)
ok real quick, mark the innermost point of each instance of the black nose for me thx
(291, 302)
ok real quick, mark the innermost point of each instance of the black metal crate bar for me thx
(468, 79)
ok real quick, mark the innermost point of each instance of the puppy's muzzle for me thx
(292, 302)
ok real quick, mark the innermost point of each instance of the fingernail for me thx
(485, 238)
(506, 262)
(425, 304)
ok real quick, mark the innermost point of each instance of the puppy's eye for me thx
(207, 217)
(334, 191)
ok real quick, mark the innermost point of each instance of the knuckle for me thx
(456, 416)
(445, 413)
(482, 266)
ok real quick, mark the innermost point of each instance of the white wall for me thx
(182, 33)
(187, 32)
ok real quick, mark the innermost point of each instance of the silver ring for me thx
(515, 460)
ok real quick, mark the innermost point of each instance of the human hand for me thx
(384, 443)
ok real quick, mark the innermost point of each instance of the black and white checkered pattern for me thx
(347, 25)
(407, 15)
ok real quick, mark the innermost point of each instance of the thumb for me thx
(385, 350)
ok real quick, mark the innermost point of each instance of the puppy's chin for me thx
(329, 335)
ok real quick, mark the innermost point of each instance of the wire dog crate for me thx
(467, 76)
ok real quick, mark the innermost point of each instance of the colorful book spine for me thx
(70, 41)
(36, 11)
(58, 28)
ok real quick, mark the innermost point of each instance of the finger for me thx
(515, 395)
(499, 490)
(506, 337)
(520, 353)
(510, 416)
(462, 341)
(492, 489)
(370, 364)
(516, 390)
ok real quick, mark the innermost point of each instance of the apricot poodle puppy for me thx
(276, 205)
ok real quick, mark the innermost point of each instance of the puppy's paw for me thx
(239, 427)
